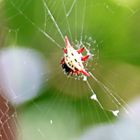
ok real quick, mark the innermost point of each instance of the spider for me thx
(72, 61)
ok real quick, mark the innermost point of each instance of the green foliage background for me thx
(116, 28)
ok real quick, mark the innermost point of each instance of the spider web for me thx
(61, 18)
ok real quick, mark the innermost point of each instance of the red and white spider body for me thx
(72, 61)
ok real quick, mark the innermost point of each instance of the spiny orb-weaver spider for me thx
(72, 61)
